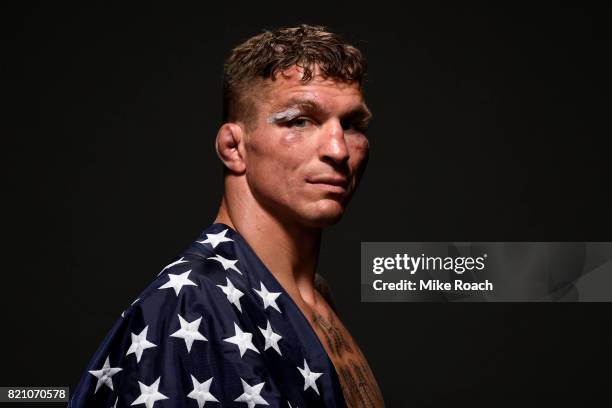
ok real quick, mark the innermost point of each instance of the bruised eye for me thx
(353, 125)
(346, 125)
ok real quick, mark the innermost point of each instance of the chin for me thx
(325, 214)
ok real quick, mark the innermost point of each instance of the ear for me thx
(230, 147)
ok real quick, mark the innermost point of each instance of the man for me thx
(241, 318)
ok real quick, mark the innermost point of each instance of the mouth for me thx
(332, 184)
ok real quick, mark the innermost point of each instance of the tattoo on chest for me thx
(357, 380)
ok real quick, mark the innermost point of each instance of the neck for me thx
(289, 250)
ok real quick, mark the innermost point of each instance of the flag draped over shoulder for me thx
(214, 329)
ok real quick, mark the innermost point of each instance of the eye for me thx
(352, 125)
(300, 123)
(346, 125)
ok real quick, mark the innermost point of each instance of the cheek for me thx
(276, 165)
(291, 151)
(273, 152)
(290, 139)
(358, 148)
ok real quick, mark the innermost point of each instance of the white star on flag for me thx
(309, 377)
(189, 332)
(201, 392)
(140, 344)
(251, 395)
(177, 282)
(271, 338)
(104, 375)
(170, 265)
(269, 298)
(216, 239)
(149, 394)
(233, 294)
(242, 340)
(226, 263)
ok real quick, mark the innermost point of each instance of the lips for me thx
(333, 183)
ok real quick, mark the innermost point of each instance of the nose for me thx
(333, 144)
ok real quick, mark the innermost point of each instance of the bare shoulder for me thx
(359, 385)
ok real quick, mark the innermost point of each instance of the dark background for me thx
(489, 125)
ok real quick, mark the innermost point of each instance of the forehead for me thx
(328, 93)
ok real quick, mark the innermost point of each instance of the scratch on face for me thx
(285, 115)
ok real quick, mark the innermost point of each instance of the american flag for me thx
(213, 329)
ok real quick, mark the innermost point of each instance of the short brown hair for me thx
(263, 56)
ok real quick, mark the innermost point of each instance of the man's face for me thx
(307, 150)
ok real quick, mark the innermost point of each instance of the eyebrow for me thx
(360, 113)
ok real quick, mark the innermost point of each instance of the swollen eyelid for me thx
(283, 116)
